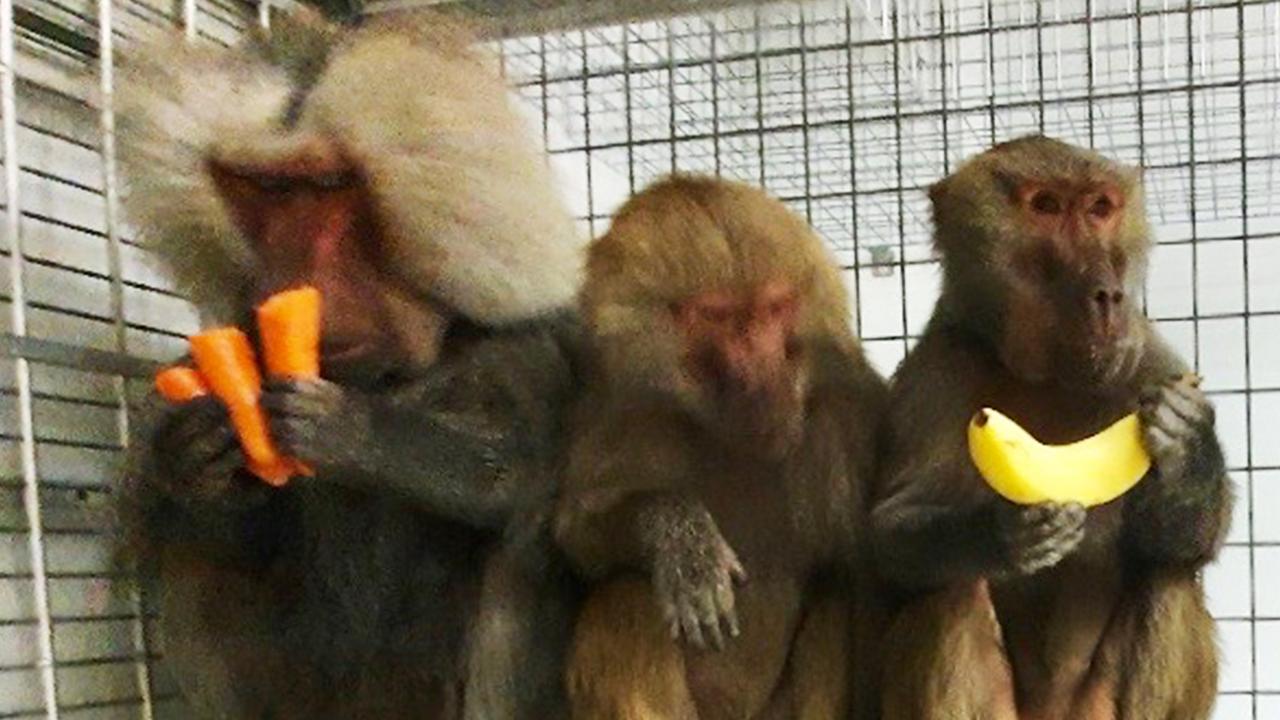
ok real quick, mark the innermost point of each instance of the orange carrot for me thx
(226, 360)
(180, 384)
(289, 326)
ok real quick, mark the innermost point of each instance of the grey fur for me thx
(412, 577)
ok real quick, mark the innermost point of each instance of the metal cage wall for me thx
(848, 110)
(845, 108)
(85, 316)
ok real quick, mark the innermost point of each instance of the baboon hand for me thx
(198, 456)
(1039, 536)
(318, 422)
(1177, 418)
(694, 574)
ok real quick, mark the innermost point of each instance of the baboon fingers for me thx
(1188, 402)
(1161, 444)
(691, 627)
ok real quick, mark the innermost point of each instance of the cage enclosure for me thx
(845, 109)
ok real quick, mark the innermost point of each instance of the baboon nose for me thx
(1106, 304)
(1106, 297)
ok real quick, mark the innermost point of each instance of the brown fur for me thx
(970, 680)
(1116, 629)
(644, 681)
(646, 426)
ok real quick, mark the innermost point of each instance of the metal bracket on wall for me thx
(883, 260)
(50, 352)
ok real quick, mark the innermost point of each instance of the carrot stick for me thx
(225, 358)
(289, 326)
(180, 384)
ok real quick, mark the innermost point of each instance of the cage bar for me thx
(22, 370)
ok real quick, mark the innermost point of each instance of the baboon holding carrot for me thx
(409, 577)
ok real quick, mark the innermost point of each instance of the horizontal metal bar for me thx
(56, 32)
(80, 707)
(50, 352)
(515, 18)
(978, 105)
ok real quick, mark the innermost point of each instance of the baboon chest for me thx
(1055, 623)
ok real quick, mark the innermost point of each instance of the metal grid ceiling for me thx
(845, 109)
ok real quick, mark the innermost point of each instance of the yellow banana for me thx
(1092, 471)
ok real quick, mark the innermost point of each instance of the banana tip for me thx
(981, 418)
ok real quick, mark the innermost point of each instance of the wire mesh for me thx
(847, 110)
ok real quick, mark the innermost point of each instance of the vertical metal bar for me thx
(1090, 79)
(107, 123)
(586, 133)
(715, 93)
(1142, 113)
(944, 111)
(1057, 42)
(956, 45)
(189, 18)
(1248, 369)
(946, 135)
(1206, 59)
(626, 88)
(1130, 49)
(1275, 38)
(759, 96)
(542, 88)
(1210, 96)
(804, 117)
(853, 169)
(1166, 46)
(22, 369)
(107, 120)
(1022, 42)
(901, 200)
(1191, 181)
(671, 96)
(1040, 98)
(913, 51)
(991, 70)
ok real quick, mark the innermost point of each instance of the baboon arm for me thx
(1180, 513)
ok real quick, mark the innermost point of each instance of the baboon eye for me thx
(1046, 203)
(780, 305)
(270, 183)
(1102, 207)
(715, 314)
(333, 181)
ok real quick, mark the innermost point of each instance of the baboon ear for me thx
(937, 191)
